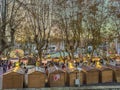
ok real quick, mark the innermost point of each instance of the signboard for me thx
(13, 60)
(90, 48)
(56, 77)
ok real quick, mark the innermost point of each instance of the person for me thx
(25, 76)
(37, 63)
(9, 65)
(26, 70)
(17, 64)
(46, 69)
(4, 68)
(63, 67)
(21, 64)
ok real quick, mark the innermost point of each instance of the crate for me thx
(91, 75)
(106, 74)
(57, 78)
(73, 75)
(12, 80)
(36, 79)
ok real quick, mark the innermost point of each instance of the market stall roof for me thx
(70, 70)
(95, 58)
(54, 68)
(59, 54)
(16, 70)
(24, 58)
(38, 69)
(14, 59)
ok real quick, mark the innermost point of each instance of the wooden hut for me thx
(106, 74)
(116, 72)
(56, 78)
(13, 79)
(73, 75)
(36, 78)
(91, 75)
(117, 60)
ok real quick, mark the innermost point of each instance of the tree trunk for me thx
(40, 56)
(3, 29)
(72, 54)
(12, 37)
(69, 55)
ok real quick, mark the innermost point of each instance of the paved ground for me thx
(105, 86)
(74, 88)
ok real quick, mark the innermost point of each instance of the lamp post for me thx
(116, 44)
(107, 49)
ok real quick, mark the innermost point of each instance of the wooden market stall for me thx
(36, 78)
(13, 79)
(116, 73)
(91, 75)
(56, 78)
(73, 75)
(117, 59)
(106, 74)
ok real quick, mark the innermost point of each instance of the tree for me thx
(96, 19)
(70, 16)
(16, 17)
(114, 10)
(25, 38)
(3, 43)
(63, 20)
(39, 17)
(10, 20)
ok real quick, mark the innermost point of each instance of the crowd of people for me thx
(61, 63)
(4, 64)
